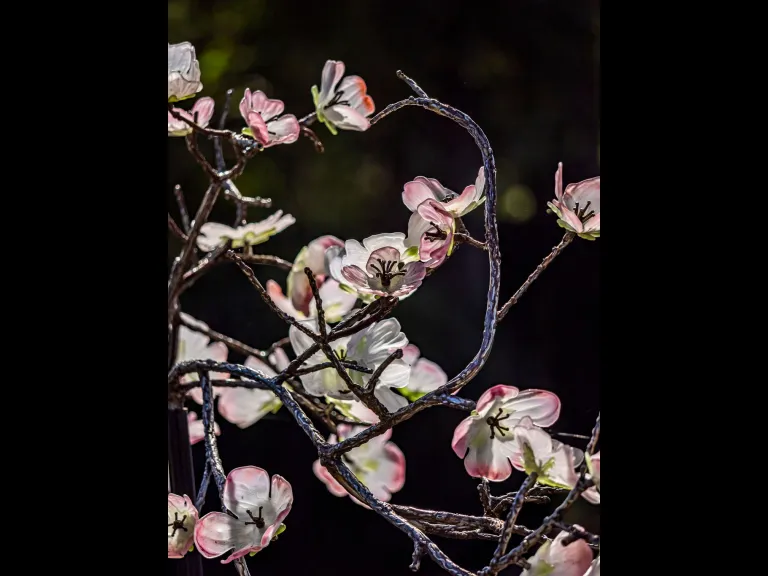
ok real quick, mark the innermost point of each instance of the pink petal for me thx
(488, 461)
(216, 533)
(571, 219)
(410, 354)
(315, 259)
(276, 294)
(572, 560)
(285, 130)
(559, 181)
(204, 110)
(282, 497)
(269, 109)
(500, 391)
(330, 482)
(247, 484)
(592, 224)
(542, 406)
(396, 457)
(245, 104)
(258, 127)
(416, 192)
(355, 276)
(461, 437)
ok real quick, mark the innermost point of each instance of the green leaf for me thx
(410, 395)
(411, 254)
(281, 529)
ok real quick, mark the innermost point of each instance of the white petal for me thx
(377, 241)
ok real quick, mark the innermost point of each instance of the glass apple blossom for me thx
(379, 464)
(200, 113)
(183, 72)
(431, 230)
(380, 266)
(557, 558)
(342, 103)
(578, 207)
(368, 348)
(485, 439)
(312, 256)
(258, 508)
(182, 518)
(213, 234)
(265, 123)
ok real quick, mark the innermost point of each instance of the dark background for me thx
(528, 73)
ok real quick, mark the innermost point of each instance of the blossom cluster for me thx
(507, 430)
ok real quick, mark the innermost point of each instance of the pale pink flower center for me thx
(494, 422)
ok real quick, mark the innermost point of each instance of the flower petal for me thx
(332, 73)
(541, 406)
(426, 376)
(485, 459)
(330, 482)
(347, 118)
(284, 130)
(244, 407)
(281, 497)
(258, 127)
(390, 399)
(421, 189)
(500, 392)
(559, 181)
(216, 533)
(246, 488)
(283, 302)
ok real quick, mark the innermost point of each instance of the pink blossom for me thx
(380, 266)
(486, 437)
(193, 345)
(430, 229)
(259, 508)
(197, 430)
(200, 114)
(578, 208)
(311, 256)
(182, 517)
(426, 376)
(378, 464)
(265, 124)
(244, 407)
(553, 558)
(421, 189)
(342, 102)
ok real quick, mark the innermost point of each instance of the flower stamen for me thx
(582, 213)
(259, 522)
(438, 234)
(177, 524)
(384, 271)
(494, 423)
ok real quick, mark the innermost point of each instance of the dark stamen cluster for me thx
(384, 271)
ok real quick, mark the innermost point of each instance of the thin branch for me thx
(509, 523)
(177, 192)
(567, 238)
(174, 228)
(461, 238)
